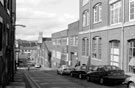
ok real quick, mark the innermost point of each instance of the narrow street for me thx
(50, 79)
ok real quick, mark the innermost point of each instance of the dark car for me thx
(81, 71)
(106, 74)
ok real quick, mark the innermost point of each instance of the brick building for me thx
(60, 48)
(7, 41)
(106, 32)
(73, 30)
(44, 52)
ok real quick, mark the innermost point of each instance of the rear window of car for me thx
(108, 68)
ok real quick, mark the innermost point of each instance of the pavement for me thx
(18, 80)
(22, 79)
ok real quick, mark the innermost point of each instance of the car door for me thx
(100, 73)
(93, 75)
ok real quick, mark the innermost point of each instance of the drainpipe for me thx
(90, 24)
(122, 36)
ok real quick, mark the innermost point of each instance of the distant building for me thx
(25, 49)
(60, 48)
(44, 52)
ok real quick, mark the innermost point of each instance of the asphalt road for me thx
(50, 79)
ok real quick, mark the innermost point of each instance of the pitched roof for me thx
(48, 45)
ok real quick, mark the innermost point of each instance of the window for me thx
(0, 36)
(85, 18)
(58, 55)
(114, 53)
(97, 13)
(131, 54)
(76, 40)
(115, 12)
(84, 2)
(73, 40)
(64, 41)
(85, 46)
(131, 10)
(53, 41)
(96, 48)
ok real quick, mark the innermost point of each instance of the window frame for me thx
(85, 18)
(130, 12)
(97, 47)
(113, 8)
(97, 11)
(112, 54)
(85, 46)
(131, 46)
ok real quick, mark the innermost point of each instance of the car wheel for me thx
(80, 76)
(131, 85)
(101, 81)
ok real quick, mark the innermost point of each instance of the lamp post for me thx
(17, 47)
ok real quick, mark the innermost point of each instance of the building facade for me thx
(106, 32)
(73, 30)
(25, 50)
(60, 48)
(7, 41)
(44, 53)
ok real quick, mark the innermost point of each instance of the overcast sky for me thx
(47, 16)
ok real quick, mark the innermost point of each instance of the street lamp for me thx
(21, 25)
(17, 50)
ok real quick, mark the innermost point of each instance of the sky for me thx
(47, 16)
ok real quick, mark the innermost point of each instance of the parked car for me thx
(81, 71)
(37, 66)
(106, 74)
(64, 69)
(130, 80)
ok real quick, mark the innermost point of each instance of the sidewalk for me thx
(18, 80)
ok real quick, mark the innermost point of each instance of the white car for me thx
(61, 69)
(130, 80)
(37, 66)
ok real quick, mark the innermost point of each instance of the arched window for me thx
(131, 10)
(97, 12)
(115, 52)
(85, 46)
(115, 12)
(85, 18)
(96, 47)
(131, 54)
